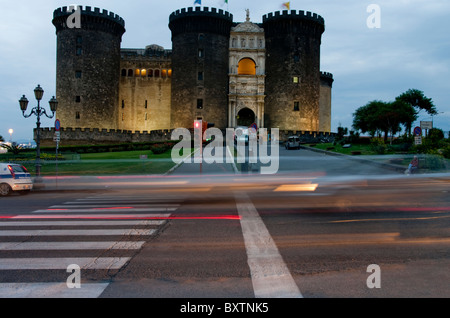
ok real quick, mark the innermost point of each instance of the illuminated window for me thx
(201, 53)
(247, 67)
(164, 73)
(296, 80)
(169, 73)
(137, 72)
(143, 72)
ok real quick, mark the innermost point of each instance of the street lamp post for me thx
(38, 111)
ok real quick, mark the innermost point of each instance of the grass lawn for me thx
(362, 149)
(106, 163)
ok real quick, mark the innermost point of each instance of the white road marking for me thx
(120, 209)
(62, 263)
(91, 216)
(47, 246)
(81, 223)
(50, 290)
(76, 232)
(270, 276)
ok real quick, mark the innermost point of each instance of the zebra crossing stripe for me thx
(119, 209)
(76, 232)
(53, 246)
(82, 223)
(51, 290)
(62, 263)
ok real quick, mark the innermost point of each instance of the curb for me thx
(359, 159)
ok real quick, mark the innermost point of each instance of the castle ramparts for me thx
(96, 12)
(294, 14)
(80, 136)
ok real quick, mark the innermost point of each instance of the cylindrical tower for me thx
(200, 48)
(293, 69)
(88, 66)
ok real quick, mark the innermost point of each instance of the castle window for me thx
(296, 58)
(295, 79)
(169, 73)
(77, 74)
(164, 73)
(77, 115)
(145, 116)
(296, 106)
(124, 72)
(123, 116)
(137, 72)
(77, 99)
(130, 73)
(247, 67)
(123, 103)
(201, 53)
(150, 73)
(156, 73)
(143, 72)
(146, 105)
(199, 103)
(79, 51)
(200, 76)
(79, 39)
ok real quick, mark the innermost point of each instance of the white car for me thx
(241, 134)
(14, 177)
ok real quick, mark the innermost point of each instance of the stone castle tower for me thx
(88, 67)
(223, 72)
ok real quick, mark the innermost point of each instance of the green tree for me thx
(378, 117)
(1, 138)
(419, 101)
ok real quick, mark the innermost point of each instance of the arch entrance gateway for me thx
(247, 60)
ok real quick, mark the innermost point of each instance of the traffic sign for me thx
(426, 124)
(57, 125)
(418, 140)
(418, 131)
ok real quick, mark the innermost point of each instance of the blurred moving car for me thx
(14, 177)
(293, 142)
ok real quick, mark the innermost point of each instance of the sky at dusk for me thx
(410, 49)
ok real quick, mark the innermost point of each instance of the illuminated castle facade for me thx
(226, 73)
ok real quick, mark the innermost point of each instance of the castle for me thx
(224, 72)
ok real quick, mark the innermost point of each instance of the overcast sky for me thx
(409, 50)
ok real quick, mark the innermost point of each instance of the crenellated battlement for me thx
(326, 74)
(198, 11)
(294, 14)
(87, 10)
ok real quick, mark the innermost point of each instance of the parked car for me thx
(14, 177)
(293, 142)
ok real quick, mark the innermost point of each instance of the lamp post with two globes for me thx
(38, 111)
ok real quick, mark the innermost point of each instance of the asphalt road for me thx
(314, 230)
